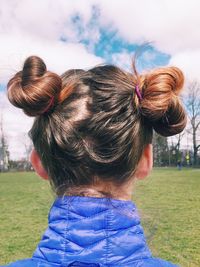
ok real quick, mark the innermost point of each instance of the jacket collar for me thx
(93, 230)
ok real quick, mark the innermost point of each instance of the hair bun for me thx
(161, 104)
(34, 67)
(33, 88)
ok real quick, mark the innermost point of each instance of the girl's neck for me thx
(104, 189)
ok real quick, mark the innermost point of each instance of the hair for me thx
(91, 125)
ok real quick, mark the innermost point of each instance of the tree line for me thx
(168, 151)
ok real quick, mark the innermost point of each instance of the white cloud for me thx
(58, 56)
(189, 62)
(46, 19)
(172, 27)
(122, 60)
(30, 28)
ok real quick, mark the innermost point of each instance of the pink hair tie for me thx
(51, 103)
(138, 93)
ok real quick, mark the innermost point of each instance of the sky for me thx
(83, 33)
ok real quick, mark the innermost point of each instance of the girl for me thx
(92, 138)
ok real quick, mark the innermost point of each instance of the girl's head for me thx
(92, 126)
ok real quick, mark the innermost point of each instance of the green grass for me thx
(168, 202)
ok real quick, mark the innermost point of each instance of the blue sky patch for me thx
(2, 87)
(108, 44)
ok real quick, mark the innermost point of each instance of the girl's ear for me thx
(146, 163)
(37, 165)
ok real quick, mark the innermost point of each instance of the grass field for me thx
(168, 201)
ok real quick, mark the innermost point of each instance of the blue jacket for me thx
(92, 232)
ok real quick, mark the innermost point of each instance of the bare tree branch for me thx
(192, 103)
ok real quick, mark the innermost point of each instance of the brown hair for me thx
(96, 127)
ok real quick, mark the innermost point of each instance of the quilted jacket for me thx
(92, 232)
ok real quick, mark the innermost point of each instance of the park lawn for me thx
(168, 202)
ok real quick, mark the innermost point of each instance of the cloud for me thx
(189, 62)
(46, 19)
(28, 28)
(122, 60)
(59, 56)
(172, 27)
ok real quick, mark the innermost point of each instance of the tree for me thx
(192, 103)
(160, 150)
(28, 146)
(175, 148)
(4, 153)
